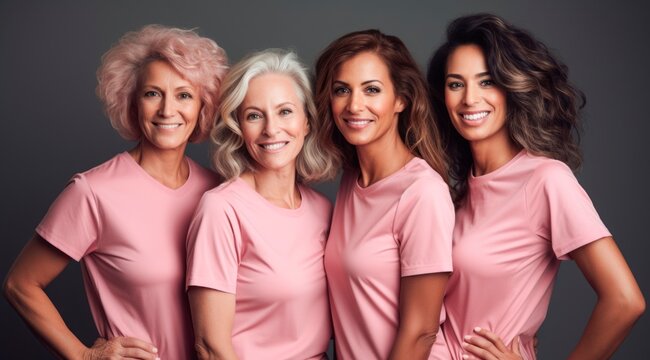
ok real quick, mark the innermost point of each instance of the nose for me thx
(355, 102)
(166, 108)
(271, 126)
(472, 95)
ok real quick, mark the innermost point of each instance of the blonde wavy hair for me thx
(230, 157)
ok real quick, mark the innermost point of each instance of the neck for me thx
(376, 162)
(277, 187)
(491, 155)
(166, 166)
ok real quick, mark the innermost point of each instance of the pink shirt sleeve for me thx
(561, 211)
(72, 223)
(214, 245)
(424, 222)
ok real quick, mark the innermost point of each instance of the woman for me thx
(126, 219)
(255, 273)
(509, 128)
(388, 254)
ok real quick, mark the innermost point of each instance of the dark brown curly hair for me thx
(543, 108)
(416, 123)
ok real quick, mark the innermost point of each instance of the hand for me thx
(487, 345)
(120, 347)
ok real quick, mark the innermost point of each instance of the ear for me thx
(400, 105)
(307, 126)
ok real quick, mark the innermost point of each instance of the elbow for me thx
(202, 351)
(206, 351)
(11, 289)
(636, 306)
(630, 306)
(424, 338)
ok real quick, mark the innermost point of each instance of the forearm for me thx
(42, 317)
(609, 324)
(413, 346)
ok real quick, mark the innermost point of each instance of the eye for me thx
(253, 116)
(151, 93)
(373, 90)
(185, 95)
(454, 85)
(487, 82)
(341, 90)
(285, 112)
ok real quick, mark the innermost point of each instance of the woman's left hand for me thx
(486, 345)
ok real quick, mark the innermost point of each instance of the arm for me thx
(36, 266)
(620, 302)
(213, 313)
(419, 308)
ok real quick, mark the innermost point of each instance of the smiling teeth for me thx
(358, 122)
(475, 116)
(168, 126)
(274, 146)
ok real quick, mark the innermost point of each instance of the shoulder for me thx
(202, 175)
(422, 179)
(550, 172)
(118, 164)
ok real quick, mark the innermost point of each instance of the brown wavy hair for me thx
(416, 124)
(543, 108)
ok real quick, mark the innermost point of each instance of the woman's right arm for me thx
(37, 265)
(213, 313)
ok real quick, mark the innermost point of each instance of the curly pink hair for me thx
(198, 59)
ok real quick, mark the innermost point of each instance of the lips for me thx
(357, 123)
(475, 116)
(166, 126)
(274, 146)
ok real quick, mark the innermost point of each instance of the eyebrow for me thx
(479, 75)
(184, 87)
(363, 83)
(253, 107)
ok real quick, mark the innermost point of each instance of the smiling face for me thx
(364, 104)
(273, 122)
(476, 106)
(168, 108)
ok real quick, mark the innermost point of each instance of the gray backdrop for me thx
(49, 52)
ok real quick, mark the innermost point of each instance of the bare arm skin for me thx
(419, 309)
(620, 302)
(213, 313)
(37, 265)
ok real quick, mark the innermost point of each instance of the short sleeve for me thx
(561, 211)
(72, 223)
(424, 224)
(213, 245)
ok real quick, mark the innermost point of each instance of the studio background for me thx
(53, 125)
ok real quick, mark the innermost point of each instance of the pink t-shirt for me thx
(515, 225)
(271, 258)
(128, 231)
(398, 226)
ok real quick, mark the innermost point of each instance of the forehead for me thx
(272, 88)
(466, 60)
(362, 67)
(159, 71)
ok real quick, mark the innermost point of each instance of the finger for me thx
(478, 352)
(130, 342)
(137, 353)
(515, 345)
(483, 343)
(494, 338)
